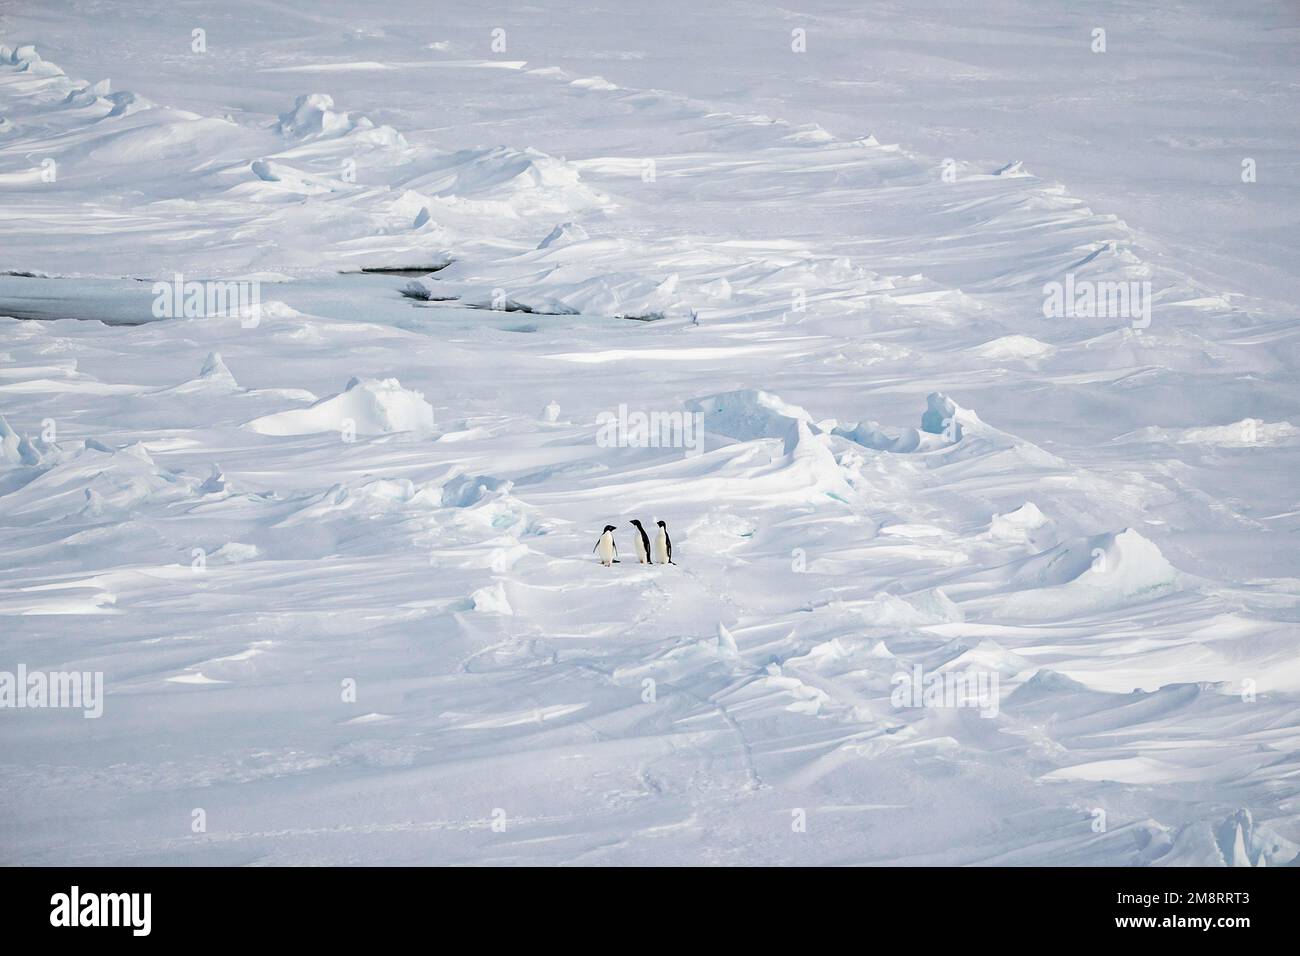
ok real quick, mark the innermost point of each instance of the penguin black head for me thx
(661, 524)
(636, 522)
(609, 527)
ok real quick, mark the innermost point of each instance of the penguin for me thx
(663, 545)
(606, 546)
(642, 541)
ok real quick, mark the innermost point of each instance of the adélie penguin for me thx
(663, 545)
(605, 547)
(642, 541)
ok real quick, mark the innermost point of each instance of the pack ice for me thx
(955, 582)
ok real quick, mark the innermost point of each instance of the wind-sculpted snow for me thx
(749, 414)
(1085, 575)
(313, 117)
(374, 199)
(957, 580)
(365, 407)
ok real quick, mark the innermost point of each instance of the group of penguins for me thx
(663, 550)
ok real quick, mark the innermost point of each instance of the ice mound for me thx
(805, 448)
(726, 641)
(87, 95)
(941, 425)
(174, 136)
(1014, 347)
(215, 483)
(284, 183)
(1088, 574)
(941, 416)
(27, 60)
(1125, 553)
(373, 515)
(213, 376)
(749, 414)
(497, 513)
(502, 172)
(366, 407)
(214, 370)
(1046, 685)
(312, 113)
(127, 102)
(16, 449)
(233, 552)
(595, 83)
(23, 53)
(462, 491)
(719, 289)
(1026, 525)
(1244, 844)
(99, 95)
(935, 604)
(94, 506)
(1235, 840)
(313, 116)
(372, 497)
(265, 171)
(986, 655)
(476, 510)
(91, 478)
(563, 234)
(958, 435)
(851, 658)
(871, 435)
(1247, 433)
(923, 609)
(811, 134)
(492, 600)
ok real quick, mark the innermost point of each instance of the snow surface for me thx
(393, 482)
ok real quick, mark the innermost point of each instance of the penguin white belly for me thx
(661, 548)
(605, 549)
(641, 554)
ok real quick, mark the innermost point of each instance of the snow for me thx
(1087, 575)
(333, 554)
(748, 414)
(365, 407)
(1014, 347)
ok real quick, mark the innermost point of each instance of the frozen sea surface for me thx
(330, 544)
